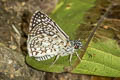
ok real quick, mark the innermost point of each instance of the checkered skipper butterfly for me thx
(46, 39)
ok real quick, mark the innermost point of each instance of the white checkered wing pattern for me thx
(45, 38)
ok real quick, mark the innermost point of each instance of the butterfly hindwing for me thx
(46, 38)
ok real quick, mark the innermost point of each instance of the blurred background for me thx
(77, 18)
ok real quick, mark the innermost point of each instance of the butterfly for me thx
(46, 39)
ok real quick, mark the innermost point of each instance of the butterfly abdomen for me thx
(42, 58)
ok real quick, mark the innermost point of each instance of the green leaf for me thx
(101, 58)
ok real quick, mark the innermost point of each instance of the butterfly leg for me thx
(77, 55)
(70, 58)
(57, 57)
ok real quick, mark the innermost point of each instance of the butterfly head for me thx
(77, 44)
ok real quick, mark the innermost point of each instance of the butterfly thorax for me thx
(70, 47)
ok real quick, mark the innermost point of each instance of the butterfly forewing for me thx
(43, 19)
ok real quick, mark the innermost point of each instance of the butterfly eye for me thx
(76, 47)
